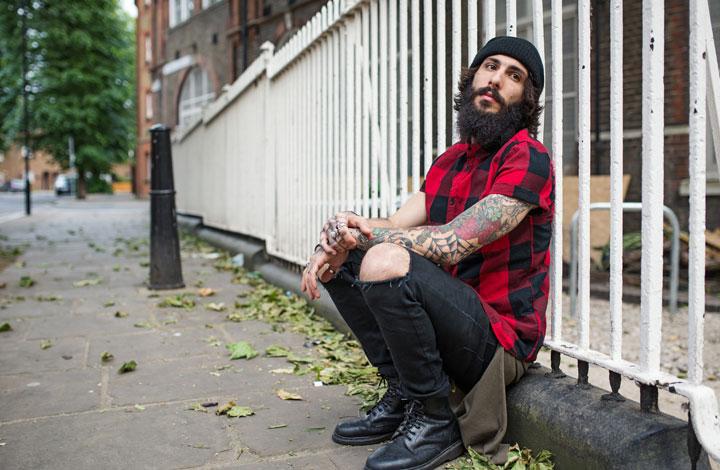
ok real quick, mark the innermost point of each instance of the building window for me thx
(148, 105)
(196, 93)
(209, 3)
(148, 49)
(180, 10)
(713, 172)
(570, 53)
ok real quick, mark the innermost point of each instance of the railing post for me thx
(165, 266)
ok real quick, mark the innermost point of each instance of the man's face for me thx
(504, 80)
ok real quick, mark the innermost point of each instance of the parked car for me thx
(65, 184)
(17, 184)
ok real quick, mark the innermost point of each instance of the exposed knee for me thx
(383, 262)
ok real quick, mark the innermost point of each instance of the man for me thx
(458, 270)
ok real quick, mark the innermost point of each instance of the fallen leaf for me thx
(206, 292)
(127, 367)
(120, 314)
(241, 350)
(286, 370)
(277, 426)
(106, 356)
(109, 303)
(87, 282)
(197, 407)
(27, 281)
(139, 407)
(277, 351)
(285, 395)
(45, 344)
(316, 429)
(169, 321)
(185, 301)
(225, 408)
(5, 327)
(240, 412)
(215, 306)
(142, 324)
(48, 298)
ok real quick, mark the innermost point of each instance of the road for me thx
(12, 205)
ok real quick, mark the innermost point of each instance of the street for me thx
(77, 294)
(12, 205)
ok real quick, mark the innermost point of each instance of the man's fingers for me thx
(325, 245)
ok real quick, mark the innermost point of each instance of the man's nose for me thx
(495, 80)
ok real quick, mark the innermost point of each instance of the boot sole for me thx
(361, 441)
(454, 451)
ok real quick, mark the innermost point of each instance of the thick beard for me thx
(489, 129)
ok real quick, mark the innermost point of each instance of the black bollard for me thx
(165, 267)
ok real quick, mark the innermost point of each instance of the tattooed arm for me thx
(484, 222)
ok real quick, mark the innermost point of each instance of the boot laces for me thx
(391, 394)
(413, 420)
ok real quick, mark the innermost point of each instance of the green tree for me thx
(83, 82)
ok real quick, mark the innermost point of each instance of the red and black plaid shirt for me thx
(509, 275)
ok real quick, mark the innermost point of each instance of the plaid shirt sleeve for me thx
(525, 174)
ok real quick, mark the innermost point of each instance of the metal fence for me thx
(350, 113)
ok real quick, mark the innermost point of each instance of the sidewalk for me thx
(62, 407)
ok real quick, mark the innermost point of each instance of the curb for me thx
(582, 430)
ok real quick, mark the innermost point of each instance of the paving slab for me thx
(28, 355)
(157, 437)
(37, 394)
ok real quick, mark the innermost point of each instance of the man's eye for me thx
(515, 77)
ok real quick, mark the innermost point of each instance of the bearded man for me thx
(458, 272)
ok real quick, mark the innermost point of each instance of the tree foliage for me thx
(82, 74)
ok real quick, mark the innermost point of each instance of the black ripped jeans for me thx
(424, 327)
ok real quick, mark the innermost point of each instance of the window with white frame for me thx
(570, 52)
(209, 3)
(148, 49)
(148, 105)
(196, 92)
(180, 10)
(713, 172)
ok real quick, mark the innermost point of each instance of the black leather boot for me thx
(428, 436)
(378, 424)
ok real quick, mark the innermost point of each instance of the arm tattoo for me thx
(483, 223)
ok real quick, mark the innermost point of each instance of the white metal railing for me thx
(351, 111)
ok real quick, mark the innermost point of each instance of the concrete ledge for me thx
(575, 424)
(585, 432)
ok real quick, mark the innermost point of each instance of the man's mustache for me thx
(492, 91)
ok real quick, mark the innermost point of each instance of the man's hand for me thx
(336, 236)
(320, 266)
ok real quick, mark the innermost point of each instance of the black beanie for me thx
(518, 48)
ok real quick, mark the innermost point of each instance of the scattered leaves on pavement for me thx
(215, 306)
(106, 356)
(206, 292)
(45, 344)
(285, 395)
(87, 282)
(127, 367)
(27, 281)
(517, 460)
(197, 407)
(241, 350)
(5, 327)
(224, 409)
(121, 314)
(48, 298)
(277, 351)
(240, 412)
(185, 301)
